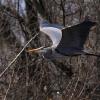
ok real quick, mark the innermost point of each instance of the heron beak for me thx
(35, 50)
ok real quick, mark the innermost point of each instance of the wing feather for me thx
(73, 38)
(55, 34)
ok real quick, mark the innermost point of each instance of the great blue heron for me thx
(66, 41)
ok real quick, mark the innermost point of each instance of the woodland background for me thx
(32, 77)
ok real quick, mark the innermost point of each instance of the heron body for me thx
(66, 41)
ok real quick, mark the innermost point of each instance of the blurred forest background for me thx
(32, 77)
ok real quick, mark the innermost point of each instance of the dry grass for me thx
(32, 77)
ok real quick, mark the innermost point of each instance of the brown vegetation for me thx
(26, 76)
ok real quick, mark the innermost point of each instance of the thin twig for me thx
(74, 88)
(9, 85)
(18, 55)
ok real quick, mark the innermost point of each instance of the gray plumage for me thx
(66, 41)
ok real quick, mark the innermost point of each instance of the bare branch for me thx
(11, 63)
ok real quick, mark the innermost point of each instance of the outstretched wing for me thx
(73, 38)
(55, 34)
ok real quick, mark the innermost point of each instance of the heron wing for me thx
(45, 23)
(55, 34)
(73, 39)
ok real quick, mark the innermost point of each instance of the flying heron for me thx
(66, 41)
